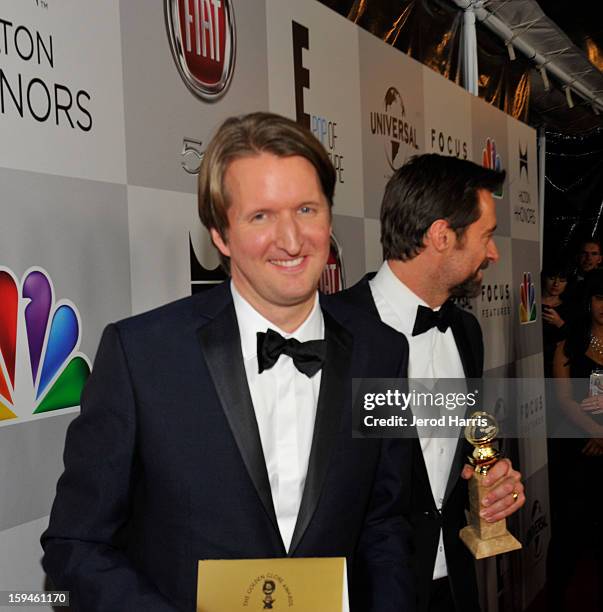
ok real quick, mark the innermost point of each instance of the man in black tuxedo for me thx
(437, 225)
(219, 426)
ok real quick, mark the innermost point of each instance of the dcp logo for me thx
(203, 41)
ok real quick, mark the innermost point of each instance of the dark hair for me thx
(588, 240)
(594, 283)
(556, 268)
(427, 188)
(578, 334)
(250, 135)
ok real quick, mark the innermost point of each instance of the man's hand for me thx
(501, 501)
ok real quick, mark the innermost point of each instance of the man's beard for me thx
(471, 287)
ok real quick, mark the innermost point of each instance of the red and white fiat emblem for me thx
(332, 278)
(203, 41)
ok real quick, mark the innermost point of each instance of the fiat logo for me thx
(203, 41)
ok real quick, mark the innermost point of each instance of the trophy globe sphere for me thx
(483, 429)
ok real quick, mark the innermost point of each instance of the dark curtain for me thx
(430, 31)
(573, 192)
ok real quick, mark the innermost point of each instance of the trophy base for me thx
(490, 547)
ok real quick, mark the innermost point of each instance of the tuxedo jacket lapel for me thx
(221, 345)
(334, 386)
(463, 343)
(360, 295)
(471, 369)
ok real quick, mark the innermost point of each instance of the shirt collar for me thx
(251, 321)
(398, 296)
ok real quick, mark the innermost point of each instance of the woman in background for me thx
(576, 455)
(555, 313)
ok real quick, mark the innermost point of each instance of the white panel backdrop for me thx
(96, 127)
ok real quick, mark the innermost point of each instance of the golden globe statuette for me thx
(484, 539)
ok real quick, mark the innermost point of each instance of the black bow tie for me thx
(427, 318)
(308, 357)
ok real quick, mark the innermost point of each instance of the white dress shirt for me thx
(432, 354)
(285, 403)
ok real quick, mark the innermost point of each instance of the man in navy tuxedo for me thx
(219, 426)
(437, 226)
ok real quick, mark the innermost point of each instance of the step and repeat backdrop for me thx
(105, 110)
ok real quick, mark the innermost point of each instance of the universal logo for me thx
(202, 37)
(272, 590)
(523, 210)
(535, 538)
(393, 126)
(323, 128)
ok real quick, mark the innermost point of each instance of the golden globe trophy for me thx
(484, 539)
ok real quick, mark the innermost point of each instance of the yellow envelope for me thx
(299, 585)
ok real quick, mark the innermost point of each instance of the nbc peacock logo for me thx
(492, 159)
(527, 299)
(41, 369)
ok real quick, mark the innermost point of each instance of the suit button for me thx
(435, 513)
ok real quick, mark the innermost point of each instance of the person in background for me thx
(437, 224)
(588, 258)
(555, 312)
(577, 449)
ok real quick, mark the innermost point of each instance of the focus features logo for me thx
(495, 300)
(446, 144)
(532, 414)
(203, 40)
